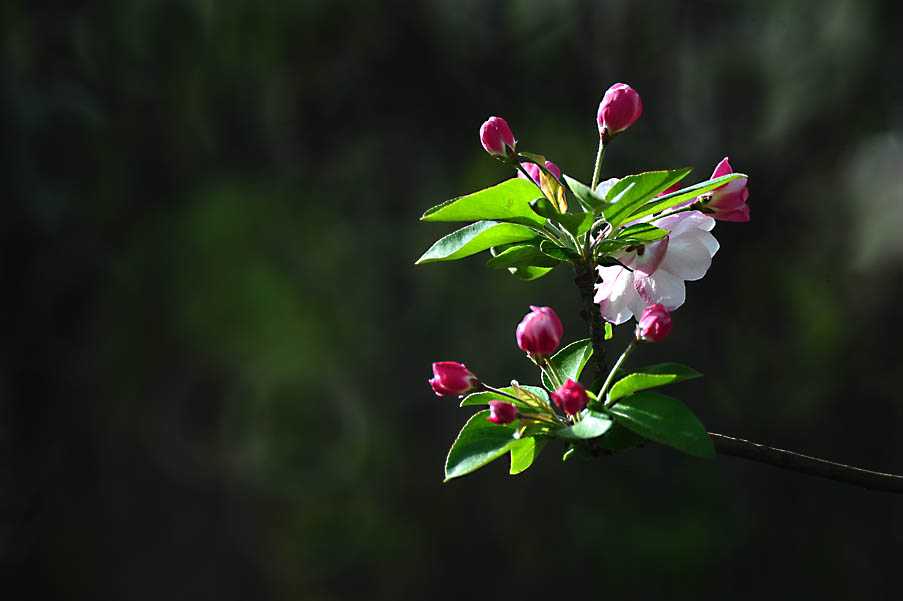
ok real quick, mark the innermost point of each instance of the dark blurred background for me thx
(216, 345)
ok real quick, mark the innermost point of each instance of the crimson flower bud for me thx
(497, 138)
(620, 108)
(728, 203)
(534, 171)
(451, 378)
(501, 412)
(571, 397)
(540, 331)
(654, 325)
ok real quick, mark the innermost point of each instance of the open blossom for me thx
(728, 202)
(655, 273)
(501, 412)
(451, 378)
(534, 171)
(540, 331)
(497, 138)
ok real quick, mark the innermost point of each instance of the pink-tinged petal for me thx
(722, 168)
(532, 170)
(740, 215)
(661, 287)
(616, 294)
(688, 258)
(554, 169)
(649, 260)
(686, 221)
(733, 186)
(728, 201)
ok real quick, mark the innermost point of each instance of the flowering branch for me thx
(633, 244)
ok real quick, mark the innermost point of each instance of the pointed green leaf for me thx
(528, 273)
(570, 361)
(521, 255)
(507, 201)
(524, 452)
(651, 377)
(592, 425)
(641, 233)
(576, 223)
(474, 238)
(479, 442)
(673, 199)
(589, 199)
(665, 420)
(633, 191)
(483, 398)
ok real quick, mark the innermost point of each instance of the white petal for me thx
(661, 287)
(710, 242)
(616, 294)
(688, 257)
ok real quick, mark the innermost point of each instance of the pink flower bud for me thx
(451, 378)
(571, 397)
(540, 331)
(534, 171)
(620, 108)
(501, 412)
(728, 203)
(497, 138)
(654, 325)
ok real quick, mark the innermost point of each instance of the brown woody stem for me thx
(804, 464)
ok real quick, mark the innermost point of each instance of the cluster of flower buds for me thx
(539, 334)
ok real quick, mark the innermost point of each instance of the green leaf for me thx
(524, 452)
(543, 208)
(641, 233)
(665, 420)
(593, 425)
(673, 199)
(483, 398)
(576, 223)
(554, 251)
(585, 196)
(634, 190)
(570, 361)
(507, 201)
(619, 438)
(609, 331)
(474, 238)
(478, 443)
(651, 377)
(521, 255)
(528, 273)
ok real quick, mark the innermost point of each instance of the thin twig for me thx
(804, 464)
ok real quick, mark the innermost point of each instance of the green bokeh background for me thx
(216, 345)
